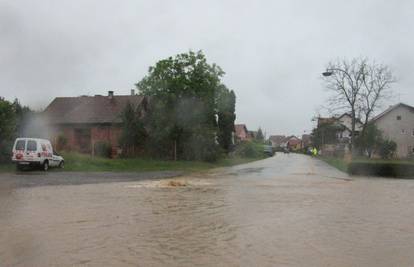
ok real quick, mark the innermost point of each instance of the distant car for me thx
(286, 150)
(268, 150)
(35, 152)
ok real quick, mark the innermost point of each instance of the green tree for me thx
(133, 134)
(260, 136)
(226, 102)
(387, 149)
(7, 128)
(23, 116)
(370, 141)
(182, 121)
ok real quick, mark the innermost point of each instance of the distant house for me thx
(242, 134)
(397, 124)
(292, 143)
(276, 140)
(344, 126)
(85, 120)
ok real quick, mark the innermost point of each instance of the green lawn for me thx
(338, 163)
(86, 163)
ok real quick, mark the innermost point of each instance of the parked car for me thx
(286, 150)
(268, 150)
(35, 152)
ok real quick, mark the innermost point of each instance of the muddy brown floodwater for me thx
(289, 210)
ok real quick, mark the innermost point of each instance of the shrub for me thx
(387, 149)
(5, 151)
(102, 149)
(249, 150)
(385, 169)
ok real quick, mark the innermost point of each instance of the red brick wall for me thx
(104, 133)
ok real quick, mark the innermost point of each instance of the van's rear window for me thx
(20, 144)
(31, 145)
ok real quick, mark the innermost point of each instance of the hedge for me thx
(385, 169)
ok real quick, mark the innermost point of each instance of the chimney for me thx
(132, 92)
(110, 94)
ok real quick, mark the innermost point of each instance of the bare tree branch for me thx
(358, 87)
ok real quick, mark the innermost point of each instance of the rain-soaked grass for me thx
(86, 163)
(338, 163)
(78, 162)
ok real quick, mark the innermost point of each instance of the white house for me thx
(397, 124)
(345, 120)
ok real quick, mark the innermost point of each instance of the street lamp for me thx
(330, 71)
(327, 73)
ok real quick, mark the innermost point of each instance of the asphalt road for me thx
(289, 210)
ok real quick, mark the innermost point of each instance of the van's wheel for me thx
(46, 166)
(62, 164)
(19, 167)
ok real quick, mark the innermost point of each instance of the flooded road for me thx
(289, 210)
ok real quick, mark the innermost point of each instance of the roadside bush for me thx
(385, 169)
(249, 150)
(387, 149)
(5, 151)
(102, 149)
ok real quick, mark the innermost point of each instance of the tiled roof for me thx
(390, 109)
(89, 109)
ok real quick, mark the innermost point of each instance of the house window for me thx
(398, 117)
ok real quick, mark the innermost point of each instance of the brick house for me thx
(276, 140)
(242, 134)
(85, 120)
(293, 143)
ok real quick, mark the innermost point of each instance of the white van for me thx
(34, 152)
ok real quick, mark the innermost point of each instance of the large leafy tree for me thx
(182, 121)
(7, 127)
(13, 118)
(226, 105)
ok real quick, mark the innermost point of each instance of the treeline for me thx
(12, 120)
(190, 113)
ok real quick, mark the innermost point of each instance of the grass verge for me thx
(86, 163)
(338, 163)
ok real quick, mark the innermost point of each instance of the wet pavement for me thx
(289, 210)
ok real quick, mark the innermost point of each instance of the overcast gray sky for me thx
(272, 51)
